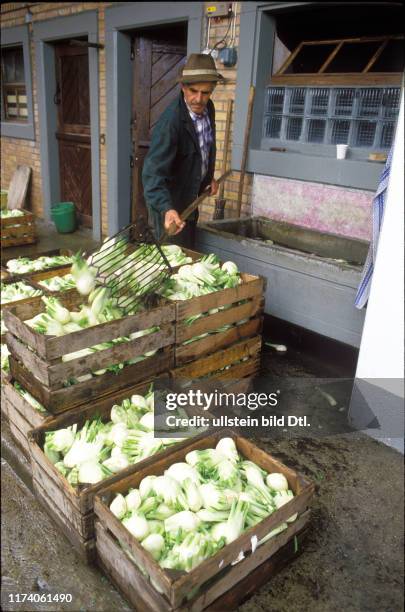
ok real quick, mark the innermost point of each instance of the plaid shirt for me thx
(203, 130)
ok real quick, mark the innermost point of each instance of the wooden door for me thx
(73, 131)
(157, 63)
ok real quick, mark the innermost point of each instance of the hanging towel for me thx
(363, 290)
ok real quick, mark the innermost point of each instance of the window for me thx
(361, 116)
(324, 73)
(13, 84)
(17, 116)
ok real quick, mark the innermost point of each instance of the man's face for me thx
(197, 95)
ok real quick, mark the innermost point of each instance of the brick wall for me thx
(18, 151)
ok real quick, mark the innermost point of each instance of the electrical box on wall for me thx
(228, 56)
(219, 9)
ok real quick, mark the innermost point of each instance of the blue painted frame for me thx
(257, 32)
(46, 32)
(11, 37)
(119, 20)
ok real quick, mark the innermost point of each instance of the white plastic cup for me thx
(341, 150)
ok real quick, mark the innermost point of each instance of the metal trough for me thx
(312, 276)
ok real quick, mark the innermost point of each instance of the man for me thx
(180, 163)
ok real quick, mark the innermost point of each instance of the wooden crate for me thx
(18, 230)
(250, 291)
(35, 300)
(22, 417)
(44, 372)
(215, 575)
(35, 278)
(73, 506)
(230, 358)
(227, 595)
(36, 256)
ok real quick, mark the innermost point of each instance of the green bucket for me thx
(4, 196)
(64, 216)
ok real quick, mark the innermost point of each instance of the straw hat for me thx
(199, 68)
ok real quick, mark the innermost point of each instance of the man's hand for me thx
(214, 187)
(173, 224)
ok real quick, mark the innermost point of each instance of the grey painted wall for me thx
(12, 37)
(257, 29)
(46, 32)
(118, 21)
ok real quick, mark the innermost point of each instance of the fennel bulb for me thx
(154, 544)
(277, 482)
(133, 499)
(90, 472)
(118, 506)
(137, 525)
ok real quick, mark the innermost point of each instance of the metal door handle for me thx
(56, 98)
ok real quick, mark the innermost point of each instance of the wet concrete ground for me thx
(352, 559)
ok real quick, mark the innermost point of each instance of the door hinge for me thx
(132, 50)
(131, 161)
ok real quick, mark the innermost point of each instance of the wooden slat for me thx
(4, 403)
(347, 78)
(61, 399)
(17, 421)
(226, 146)
(18, 188)
(83, 524)
(116, 354)
(34, 417)
(85, 548)
(125, 575)
(224, 317)
(212, 363)
(18, 231)
(38, 276)
(26, 218)
(53, 376)
(35, 299)
(332, 55)
(20, 438)
(240, 370)
(215, 342)
(250, 287)
(30, 360)
(58, 346)
(10, 242)
(376, 55)
(27, 335)
(290, 58)
(159, 107)
(337, 41)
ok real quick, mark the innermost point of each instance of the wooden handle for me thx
(192, 207)
(226, 145)
(245, 149)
